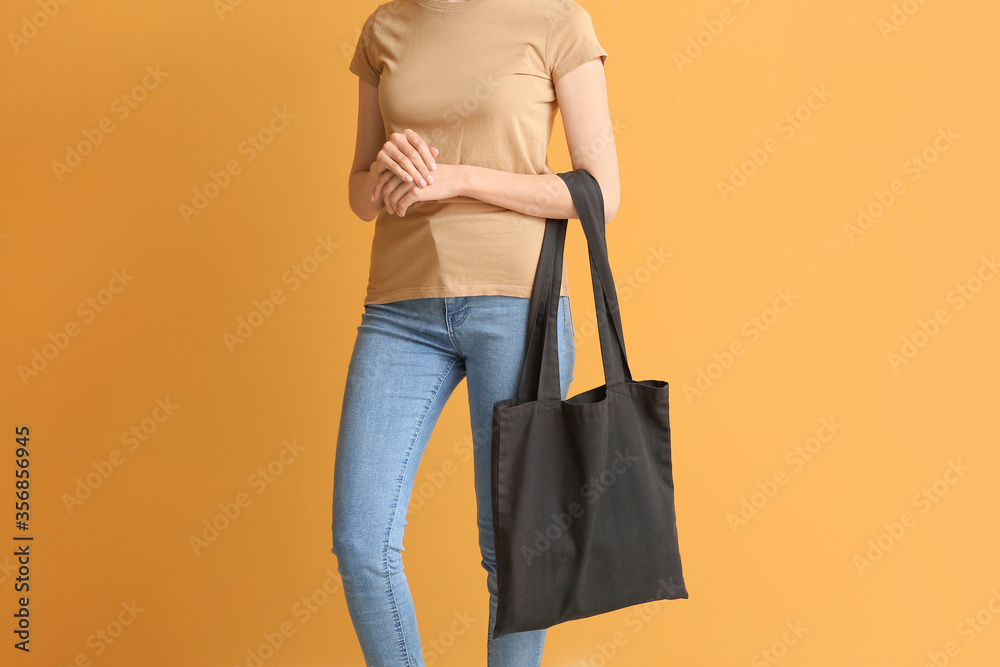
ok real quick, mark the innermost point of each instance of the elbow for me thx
(366, 215)
(611, 206)
(610, 210)
(363, 212)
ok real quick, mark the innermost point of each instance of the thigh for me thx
(493, 367)
(493, 338)
(403, 369)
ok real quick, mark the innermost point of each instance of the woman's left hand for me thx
(399, 194)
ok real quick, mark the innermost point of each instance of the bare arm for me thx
(583, 102)
(370, 137)
(370, 146)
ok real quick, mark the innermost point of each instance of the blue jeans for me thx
(408, 357)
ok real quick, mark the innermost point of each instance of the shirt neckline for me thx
(442, 4)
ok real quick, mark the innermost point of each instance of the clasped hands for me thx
(404, 165)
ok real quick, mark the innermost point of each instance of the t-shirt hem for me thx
(462, 290)
(364, 74)
(571, 64)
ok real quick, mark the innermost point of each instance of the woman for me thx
(455, 106)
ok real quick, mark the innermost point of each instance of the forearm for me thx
(360, 185)
(541, 195)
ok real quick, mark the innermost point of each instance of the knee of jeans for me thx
(491, 576)
(361, 552)
(489, 560)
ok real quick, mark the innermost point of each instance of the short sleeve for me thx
(571, 40)
(364, 63)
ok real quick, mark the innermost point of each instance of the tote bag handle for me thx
(540, 374)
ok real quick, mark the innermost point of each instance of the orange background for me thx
(875, 486)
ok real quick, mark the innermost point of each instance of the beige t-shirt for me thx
(475, 80)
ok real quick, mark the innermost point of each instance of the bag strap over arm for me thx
(540, 374)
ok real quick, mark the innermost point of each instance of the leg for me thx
(402, 371)
(492, 338)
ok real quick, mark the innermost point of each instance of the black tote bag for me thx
(582, 489)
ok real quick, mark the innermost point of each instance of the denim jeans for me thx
(408, 357)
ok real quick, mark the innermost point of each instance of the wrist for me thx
(466, 180)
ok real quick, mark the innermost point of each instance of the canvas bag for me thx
(582, 489)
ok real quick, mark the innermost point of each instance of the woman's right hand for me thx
(407, 156)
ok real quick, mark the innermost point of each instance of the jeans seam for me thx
(448, 325)
(395, 505)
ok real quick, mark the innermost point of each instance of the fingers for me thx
(394, 191)
(380, 183)
(419, 154)
(406, 154)
(395, 161)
